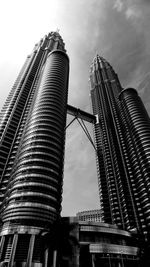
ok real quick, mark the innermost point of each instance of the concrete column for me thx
(54, 258)
(13, 251)
(30, 251)
(46, 257)
(2, 245)
(93, 260)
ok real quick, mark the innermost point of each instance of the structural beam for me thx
(78, 113)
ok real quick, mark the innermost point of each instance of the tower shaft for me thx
(33, 122)
(122, 141)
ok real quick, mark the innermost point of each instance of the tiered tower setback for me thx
(122, 137)
(32, 127)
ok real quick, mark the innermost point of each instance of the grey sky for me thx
(116, 29)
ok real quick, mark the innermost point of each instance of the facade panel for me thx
(122, 141)
(33, 123)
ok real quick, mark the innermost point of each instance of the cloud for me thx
(137, 13)
(117, 30)
(135, 10)
(118, 5)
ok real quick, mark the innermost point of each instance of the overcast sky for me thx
(118, 30)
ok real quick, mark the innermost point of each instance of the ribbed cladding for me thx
(139, 125)
(100, 131)
(107, 86)
(117, 151)
(12, 97)
(15, 123)
(11, 144)
(36, 185)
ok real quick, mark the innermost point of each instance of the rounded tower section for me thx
(139, 128)
(34, 193)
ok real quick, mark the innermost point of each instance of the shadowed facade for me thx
(32, 126)
(122, 137)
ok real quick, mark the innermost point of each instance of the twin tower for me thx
(32, 142)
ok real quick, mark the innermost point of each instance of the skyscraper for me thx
(32, 136)
(122, 137)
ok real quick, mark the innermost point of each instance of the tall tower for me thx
(122, 136)
(32, 136)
